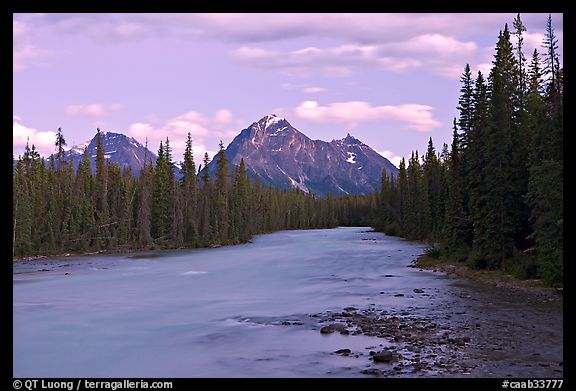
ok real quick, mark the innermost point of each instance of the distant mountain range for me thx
(283, 156)
(276, 151)
(118, 149)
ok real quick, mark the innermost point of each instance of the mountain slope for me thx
(283, 156)
(118, 148)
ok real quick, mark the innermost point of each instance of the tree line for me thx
(57, 210)
(494, 198)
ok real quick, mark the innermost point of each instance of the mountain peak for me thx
(118, 148)
(351, 139)
(270, 120)
(281, 155)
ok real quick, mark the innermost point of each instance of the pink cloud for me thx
(357, 28)
(392, 42)
(203, 129)
(43, 140)
(223, 117)
(313, 90)
(94, 110)
(431, 52)
(394, 159)
(415, 116)
(24, 52)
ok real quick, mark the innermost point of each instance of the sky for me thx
(390, 80)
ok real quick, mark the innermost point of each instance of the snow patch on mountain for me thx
(338, 186)
(293, 160)
(298, 185)
(79, 148)
(272, 119)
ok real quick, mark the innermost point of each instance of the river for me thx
(214, 312)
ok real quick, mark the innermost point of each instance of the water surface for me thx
(210, 312)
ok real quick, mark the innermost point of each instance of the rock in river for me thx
(383, 356)
(326, 330)
(372, 371)
(343, 352)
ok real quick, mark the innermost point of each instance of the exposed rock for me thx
(418, 291)
(337, 326)
(344, 352)
(120, 149)
(326, 330)
(372, 371)
(383, 356)
(284, 157)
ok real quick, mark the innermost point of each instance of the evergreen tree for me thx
(385, 217)
(456, 227)
(101, 195)
(21, 212)
(551, 57)
(189, 193)
(242, 199)
(221, 188)
(403, 197)
(536, 111)
(85, 190)
(161, 205)
(519, 30)
(207, 229)
(432, 179)
(144, 216)
(465, 104)
(60, 143)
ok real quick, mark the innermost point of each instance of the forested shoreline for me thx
(57, 210)
(493, 199)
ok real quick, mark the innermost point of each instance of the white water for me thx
(209, 312)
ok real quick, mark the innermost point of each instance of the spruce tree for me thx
(432, 179)
(494, 238)
(189, 193)
(456, 225)
(101, 194)
(221, 188)
(144, 215)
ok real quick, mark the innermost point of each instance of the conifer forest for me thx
(492, 199)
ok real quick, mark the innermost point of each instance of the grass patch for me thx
(426, 261)
(433, 252)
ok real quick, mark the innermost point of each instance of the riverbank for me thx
(486, 325)
(472, 331)
(529, 289)
(124, 251)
